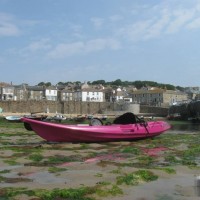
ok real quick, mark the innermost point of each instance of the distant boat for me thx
(17, 118)
(80, 118)
(13, 118)
(36, 117)
(57, 117)
(55, 132)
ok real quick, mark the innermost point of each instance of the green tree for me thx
(103, 82)
(182, 89)
(44, 84)
(117, 82)
(138, 84)
(60, 83)
(41, 84)
(48, 84)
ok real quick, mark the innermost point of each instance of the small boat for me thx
(17, 118)
(36, 117)
(57, 117)
(80, 118)
(54, 132)
(13, 118)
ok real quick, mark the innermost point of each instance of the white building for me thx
(120, 95)
(89, 95)
(51, 93)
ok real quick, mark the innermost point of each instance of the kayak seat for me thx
(126, 118)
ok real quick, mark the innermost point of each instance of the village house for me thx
(158, 97)
(51, 93)
(35, 92)
(67, 94)
(120, 95)
(89, 94)
(193, 92)
(108, 93)
(21, 92)
(7, 93)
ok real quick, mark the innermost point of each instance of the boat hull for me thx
(84, 133)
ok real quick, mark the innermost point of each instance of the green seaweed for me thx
(82, 193)
(11, 162)
(5, 171)
(129, 149)
(56, 169)
(36, 157)
(167, 170)
(99, 175)
(135, 177)
(113, 191)
(116, 171)
(62, 159)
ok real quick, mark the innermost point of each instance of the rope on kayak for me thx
(143, 123)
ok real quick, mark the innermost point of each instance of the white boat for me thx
(13, 118)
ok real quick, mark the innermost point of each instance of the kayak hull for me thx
(84, 133)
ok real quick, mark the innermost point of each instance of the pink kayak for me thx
(98, 133)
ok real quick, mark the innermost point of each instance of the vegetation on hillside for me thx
(118, 82)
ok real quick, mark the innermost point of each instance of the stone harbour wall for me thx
(79, 108)
(155, 111)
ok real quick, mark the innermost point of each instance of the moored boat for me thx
(55, 132)
(57, 118)
(13, 118)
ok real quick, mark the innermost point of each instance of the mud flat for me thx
(163, 168)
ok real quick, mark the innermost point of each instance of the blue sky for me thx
(87, 40)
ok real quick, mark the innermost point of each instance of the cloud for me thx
(100, 44)
(179, 19)
(115, 18)
(158, 26)
(151, 22)
(42, 44)
(195, 24)
(76, 30)
(36, 48)
(97, 22)
(7, 26)
(69, 49)
(63, 50)
(135, 31)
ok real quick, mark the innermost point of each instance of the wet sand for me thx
(80, 165)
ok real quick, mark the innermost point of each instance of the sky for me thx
(88, 40)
